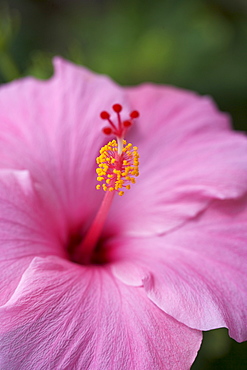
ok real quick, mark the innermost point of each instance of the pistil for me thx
(117, 168)
(85, 250)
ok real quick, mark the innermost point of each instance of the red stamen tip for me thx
(118, 127)
(127, 123)
(117, 108)
(104, 115)
(134, 114)
(107, 130)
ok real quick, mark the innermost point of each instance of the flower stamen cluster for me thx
(117, 172)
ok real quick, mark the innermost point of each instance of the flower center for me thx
(117, 168)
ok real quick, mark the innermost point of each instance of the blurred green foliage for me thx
(220, 352)
(195, 44)
(8, 27)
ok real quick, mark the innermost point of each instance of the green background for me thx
(194, 44)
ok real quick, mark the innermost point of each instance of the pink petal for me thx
(181, 113)
(26, 228)
(197, 274)
(188, 156)
(63, 316)
(53, 129)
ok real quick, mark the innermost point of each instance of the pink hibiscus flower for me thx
(170, 259)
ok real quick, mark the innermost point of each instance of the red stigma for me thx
(104, 115)
(107, 130)
(118, 127)
(127, 123)
(134, 114)
(117, 108)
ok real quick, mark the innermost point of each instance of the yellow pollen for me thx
(117, 171)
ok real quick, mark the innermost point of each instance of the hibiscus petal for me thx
(54, 131)
(197, 273)
(188, 156)
(177, 110)
(65, 316)
(26, 228)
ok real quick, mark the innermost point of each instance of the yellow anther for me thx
(117, 170)
(98, 186)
